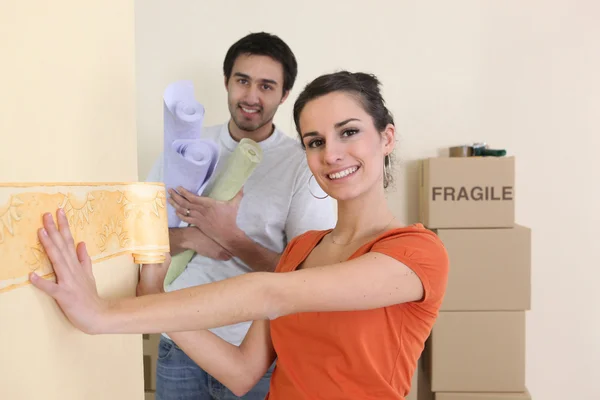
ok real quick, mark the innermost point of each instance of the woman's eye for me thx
(350, 132)
(315, 143)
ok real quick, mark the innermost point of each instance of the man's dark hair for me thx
(264, 44)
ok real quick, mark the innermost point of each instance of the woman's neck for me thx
(363, 217)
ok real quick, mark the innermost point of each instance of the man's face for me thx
(254, 91)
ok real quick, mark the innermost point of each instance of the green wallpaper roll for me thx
(245, 158)
(242, 163)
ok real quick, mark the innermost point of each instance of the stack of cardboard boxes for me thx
(476, 350)
(150, 357)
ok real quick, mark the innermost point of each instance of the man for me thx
(250, 232)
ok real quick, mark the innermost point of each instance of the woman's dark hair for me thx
(264, 44)
(366, 88)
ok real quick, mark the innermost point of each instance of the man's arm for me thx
(253, 254)
(192, 238)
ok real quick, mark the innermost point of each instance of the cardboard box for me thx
(424, 393)
(477, 351)
(149, 373)
(490, 269)
(468, 192)
(151, 342)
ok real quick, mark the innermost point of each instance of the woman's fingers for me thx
(84, 258)
(53, 244)
(46, 286)
(65, 231)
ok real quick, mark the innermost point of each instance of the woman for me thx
(349, 309)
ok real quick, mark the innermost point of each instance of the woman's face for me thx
(344, 150)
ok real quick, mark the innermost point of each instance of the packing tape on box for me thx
(475, 150)
(111, 218)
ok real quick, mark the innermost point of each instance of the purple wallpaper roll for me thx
(189, 161)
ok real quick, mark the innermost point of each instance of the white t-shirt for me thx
(276, 207)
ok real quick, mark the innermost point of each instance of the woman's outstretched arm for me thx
(371, 281)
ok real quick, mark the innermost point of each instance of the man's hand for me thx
(216, 219)
(152, 278)
(192, 238)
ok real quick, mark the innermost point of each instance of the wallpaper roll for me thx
(111, 218)
(244, 160)
(189, 161)
(183, 115)
(242, 163)
(190, 164)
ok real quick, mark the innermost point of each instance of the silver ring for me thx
(187, 212)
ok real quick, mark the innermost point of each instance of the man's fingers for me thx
(178, 207)
(178, 201)
(184, 217)
(186, 193)
(84, 258)
(193, 198)
(46, 286)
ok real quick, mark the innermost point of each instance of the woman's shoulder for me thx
(413, 241)
(421, 250)
(416, 233)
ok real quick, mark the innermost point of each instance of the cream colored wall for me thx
(67, 98)
(518, 75)
(67, 113)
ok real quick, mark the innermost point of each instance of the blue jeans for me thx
(178, 377)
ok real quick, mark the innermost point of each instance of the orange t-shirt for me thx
(370, 354)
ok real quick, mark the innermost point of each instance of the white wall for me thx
(518, 75)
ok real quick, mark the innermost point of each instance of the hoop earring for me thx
(313, 195)
(385, 177)
(386, 165)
